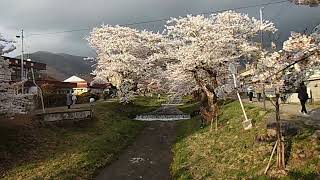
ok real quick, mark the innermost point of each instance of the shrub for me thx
(85, 97)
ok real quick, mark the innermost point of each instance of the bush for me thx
(85, 97)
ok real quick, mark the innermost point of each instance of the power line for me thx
(161, 20)
(246, 7)
(58, 32)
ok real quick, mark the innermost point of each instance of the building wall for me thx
(79, 91)
(96, 91)
(4, 71)
(293, 98)
(314, 86)
(15, 66)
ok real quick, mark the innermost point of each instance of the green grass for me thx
(231, 152)
(74, 152)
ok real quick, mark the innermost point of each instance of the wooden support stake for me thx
(264, 98)
(216, 123)
(280, 139)
(211, 124)
(274, 149)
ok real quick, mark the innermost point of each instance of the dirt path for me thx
(292, 112)
(149, 157)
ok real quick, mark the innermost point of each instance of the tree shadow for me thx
(303, 175)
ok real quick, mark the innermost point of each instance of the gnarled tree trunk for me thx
(209, 101)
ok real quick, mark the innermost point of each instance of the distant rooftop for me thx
(74, 79)
(27, 64)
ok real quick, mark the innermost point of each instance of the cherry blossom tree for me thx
(285, 70)
(128, 58)
(293, 64)
(6, 45)
(205, 48)
(311, 3)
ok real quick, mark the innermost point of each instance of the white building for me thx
(82, 85)
(313, 88)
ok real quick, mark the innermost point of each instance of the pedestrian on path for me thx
(259, 92)
(74, 99)
(250, 93)
(69, 100)
(303, 97)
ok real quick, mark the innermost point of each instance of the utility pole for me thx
(261, 41)
(22, 52)
(38, 88)
(261, 23)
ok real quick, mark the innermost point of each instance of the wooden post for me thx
(264, 97)
(246, 123)
(211, 124)
(280, 139)
(217, 123)
(274, 148)
(239, 98)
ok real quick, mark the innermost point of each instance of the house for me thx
(99, 88)
(51, 86)
(47, 84)
(15, 65)
(84, 86)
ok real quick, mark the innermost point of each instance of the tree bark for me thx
(209, 101)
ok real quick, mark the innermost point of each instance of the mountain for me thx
(60, 65)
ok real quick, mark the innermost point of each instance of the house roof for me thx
(27, 64)
(74, 79)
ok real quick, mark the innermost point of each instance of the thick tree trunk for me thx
(209, 101)
(209, 109)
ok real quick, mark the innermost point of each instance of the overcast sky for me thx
(46, 16)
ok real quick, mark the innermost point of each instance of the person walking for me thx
(303, 97)
(250, 93)
(259, 92)
(69, 100)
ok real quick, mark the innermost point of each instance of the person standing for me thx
(303, 97)
(69, 99)
(74, 99)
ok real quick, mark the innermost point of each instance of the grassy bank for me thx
(232, 153)
(35, 152)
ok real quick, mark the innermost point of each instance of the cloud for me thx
(43, 16)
